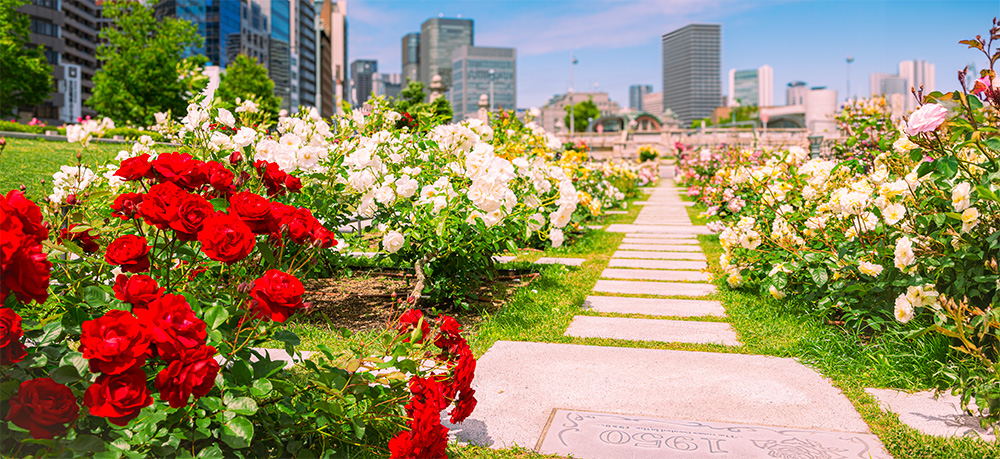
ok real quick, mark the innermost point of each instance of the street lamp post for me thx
(572, 116)
(492, 72)
(848, 97)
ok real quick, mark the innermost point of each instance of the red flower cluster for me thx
(85, 238)
(275, 180)
(277, 295)
(44, 407)
(11, 348)
(24, 268)
(427, 437)
(118, 344)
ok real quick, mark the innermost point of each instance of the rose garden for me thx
(233, 282)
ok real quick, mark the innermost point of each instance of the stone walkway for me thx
(594, 401)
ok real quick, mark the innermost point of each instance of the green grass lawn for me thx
(27, 162)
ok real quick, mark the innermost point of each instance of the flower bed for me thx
(897, 233)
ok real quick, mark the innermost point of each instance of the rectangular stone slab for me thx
(655, 275)
(519, 383)
(659, 255)
(657, 264)
(504, 258)
(660, 247)
(560, 261)
(588, 434)
(616, 212)
(667, 331)
(653, 288)
(654, 306)
(939, 415)
(676, 240)
(656, 229)
(690, 237)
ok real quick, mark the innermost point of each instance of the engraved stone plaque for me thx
(592, 435)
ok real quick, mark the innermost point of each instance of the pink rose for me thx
(927, 118)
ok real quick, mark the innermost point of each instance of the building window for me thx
(50, 4)
(43, 27)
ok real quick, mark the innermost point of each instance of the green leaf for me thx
(51, 333)
(241, 372)
(77, 361)
(220, 204)
(86, 444)
(211, 452)
(819, 276)
(65, 374)
(242, 405)
(95, 296)
(266, 252)
(947, 166)
(261, 387)
(237, 432)
(986, 193)
(287, 337)
(215, 316)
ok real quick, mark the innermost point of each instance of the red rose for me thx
(293, 183)
(274, 179)
(159, 206)
(25, 212)
(126, 205)
(119, 397)
(25, 269)
(192, 210)
(11, 348)
(450, 336)
(427, 438)
(134, 168)
(180, 169)
(464, 406)
(86, 239)
(172, 325)
(322, 237)
(138, 290)
(130, 252)
(277, 295)
(192, 374)
(409, 320)
(44, 407)
(114, 342)
(226, 238)
(299, 225)
(254, 210)
(219, 176)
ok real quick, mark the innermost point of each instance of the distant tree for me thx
(582, 113)
(411, 100)
(25, 74)
(247, 79)
(143, 67)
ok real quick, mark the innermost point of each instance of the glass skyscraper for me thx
(306, 30)
(691, 64)
(471, 75)
(279, 67)
(411, 56)
(635, 93)
(439, 37)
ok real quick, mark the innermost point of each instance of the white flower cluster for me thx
(301, 146)
(70, 180)
(88, 129)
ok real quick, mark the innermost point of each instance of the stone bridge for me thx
(625, 145)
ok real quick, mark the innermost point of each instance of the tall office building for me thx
(439, 37)
(324, 78)
(334, 14)
(795, 93)
(474, 70)
(916, 73)
(254, 40)
(362, 71)
(306, 47)
(411, 56)
(751, 87)
(635, 95)
(691, 65)
(387, 84)
(68, 31)
(883, 84)
(279, 50)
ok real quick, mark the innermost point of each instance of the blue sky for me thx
(617, 42)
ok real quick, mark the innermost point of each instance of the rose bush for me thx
(899, 235)
(167, 274)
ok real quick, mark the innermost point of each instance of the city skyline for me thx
(618, 42)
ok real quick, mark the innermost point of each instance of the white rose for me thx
(385, 195)
(406, 186)
(244, 137)
(904, 309)
(556, 236)
(777, 294)
(393, 241)
(535, 222)
(226, 117)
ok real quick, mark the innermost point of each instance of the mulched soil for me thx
(364, 300)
